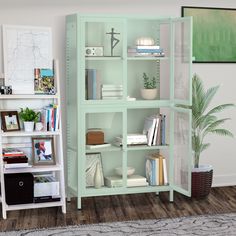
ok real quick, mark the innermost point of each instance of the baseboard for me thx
(224, 180)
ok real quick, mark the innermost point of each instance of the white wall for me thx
(222, 153)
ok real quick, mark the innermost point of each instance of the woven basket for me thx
(201, 183)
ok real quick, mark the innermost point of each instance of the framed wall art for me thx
(214, 34)
(43, 151)
(10, 121)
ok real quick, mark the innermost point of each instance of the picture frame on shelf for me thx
(92, 161)
(43, 151)
(10, 121)
(213, 29)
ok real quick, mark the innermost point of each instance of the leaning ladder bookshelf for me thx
(22, 140)
(121, 116)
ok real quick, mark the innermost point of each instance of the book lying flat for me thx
(17, 165)
(132, 181)
(94, 146)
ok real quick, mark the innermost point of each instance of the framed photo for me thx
(214, 34)
(92, 160)
(10, 121)
(43, 151)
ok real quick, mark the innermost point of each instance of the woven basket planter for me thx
(201, 183)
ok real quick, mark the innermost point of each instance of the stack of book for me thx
(50, 116)
(154, 129)
(132, 181)
(14, 158)
(132, 139)
(150, 51)
(156, 170)
(93, 84)
(112, 91)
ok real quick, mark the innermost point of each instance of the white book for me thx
(148, 47)
(112, 98)
(112, 86)
(104, 145)
(17, 165)
(112, 93)
(154, 142)
(149, 126)
(165, 172)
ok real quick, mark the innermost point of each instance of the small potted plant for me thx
(149, 91)
(29, 117)
(204, 122)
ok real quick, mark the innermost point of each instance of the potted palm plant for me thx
(150, 87)
(29, 117)
(204, 122)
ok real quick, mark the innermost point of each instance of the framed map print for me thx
(25, 48)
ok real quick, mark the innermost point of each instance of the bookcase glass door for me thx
(182, 60)
(182, 150)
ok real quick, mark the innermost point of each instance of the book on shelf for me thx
(50, 117)
(94, 146)
(112, 86)
(156, 170)
(11, 151)
(15, 159)
(132, 139)
(44, 81)
(111, 97)
(16, 165)
(148, 47)
(112, 93)
(154, 129)
(132, 181)
(93, 84)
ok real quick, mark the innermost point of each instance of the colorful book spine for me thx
(163, 130)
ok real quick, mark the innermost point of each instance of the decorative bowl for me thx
(130, 170)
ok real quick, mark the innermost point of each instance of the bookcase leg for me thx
(4, 214)
(171, 195)
(79, 203)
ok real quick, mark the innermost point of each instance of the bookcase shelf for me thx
(34, 133)
(89, 79)
(23, 141)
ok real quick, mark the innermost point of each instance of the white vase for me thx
(29, 126)
(97, 177)
(149, 94)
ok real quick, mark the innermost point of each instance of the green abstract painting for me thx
(214, 34)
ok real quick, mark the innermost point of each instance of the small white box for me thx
(46, 189)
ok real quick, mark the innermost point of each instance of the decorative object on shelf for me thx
(43, 151)
(44, 81)
(94, 137)
(10, 121)
(144, 41)
(93, 51)
(38, 126)
(2, 79)
(97, 177)
(29, 117)
(149, 91)
(204, 122)
(93, 164)
(130, 170)
(6, 89)
(114, 41)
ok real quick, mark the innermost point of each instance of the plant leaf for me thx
(222, 132)
(220, 108)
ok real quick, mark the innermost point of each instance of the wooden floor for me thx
(121, 208)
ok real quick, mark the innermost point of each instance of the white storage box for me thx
(46, 186)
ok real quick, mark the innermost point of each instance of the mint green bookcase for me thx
(121, 117)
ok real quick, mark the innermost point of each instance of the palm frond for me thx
(203, 121)
(210, 93)
(205, 146)
(222, 132)
(212, 126)
(220, 108)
